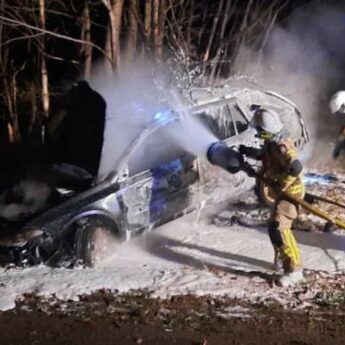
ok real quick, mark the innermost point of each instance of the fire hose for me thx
(232, 161)
(321, 198)
(306, 205)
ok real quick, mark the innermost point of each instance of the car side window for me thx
(224, 121)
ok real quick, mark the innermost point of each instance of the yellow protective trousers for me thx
(281, 236)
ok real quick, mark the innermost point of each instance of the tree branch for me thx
(51, 33)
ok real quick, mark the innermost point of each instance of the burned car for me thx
(129, 198)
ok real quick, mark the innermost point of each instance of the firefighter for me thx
(77, 138)
(337, 106)
(337, 103)
(281, 166)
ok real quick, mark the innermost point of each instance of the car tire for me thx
(93, 241)
(264, 194)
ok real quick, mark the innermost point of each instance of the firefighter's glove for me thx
(243, 150)
(251, 172)
(275, 186)
(273, 183)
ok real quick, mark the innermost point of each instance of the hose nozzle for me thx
(225, 157)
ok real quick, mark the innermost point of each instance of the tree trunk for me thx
(108, 52)
(32, 91)
(190, 22)
(44, 71)
(211, 37)
(272, 17)
(87, 48)
(10, 114)
(115, 8)
(159, 14)
(226, 68)
(148, 20)
(242, 31)
(10, 89)
(161, 27)
(155, 25)
(2, 3)
(220, 50)
(132, 30)
(203, 27)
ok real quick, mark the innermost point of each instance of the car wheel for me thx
(95, 241)
(264, 194)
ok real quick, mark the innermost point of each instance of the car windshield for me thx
(221, 121)
(157, 149)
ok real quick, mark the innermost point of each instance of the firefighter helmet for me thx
(265, 120)
(337, 102)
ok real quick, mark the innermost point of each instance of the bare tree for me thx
(86, 36)
(221, 44)
(148, 19)
(159, 15)
(11, 95)
(155, 25)
(33, 108)
(212, 33)
(132, 35)
(205, 36)
(115, 11)
(206, 55)
(44, 71)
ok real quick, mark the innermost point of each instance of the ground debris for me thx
(329, 188)
(203, 320)
(250, 215)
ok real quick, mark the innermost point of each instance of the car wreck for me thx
(74, 222)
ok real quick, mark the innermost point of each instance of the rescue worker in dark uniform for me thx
(340, 143)
(280, 165)
(337, 106)
(78, 138)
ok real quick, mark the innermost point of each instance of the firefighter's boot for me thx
(277, 261)
(290, 279)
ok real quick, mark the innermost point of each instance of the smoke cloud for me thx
(24, 198)
(304, 60)
(141, 96)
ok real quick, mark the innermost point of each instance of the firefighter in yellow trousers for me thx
(280, 165)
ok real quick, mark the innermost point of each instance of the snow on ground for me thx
(181, 257)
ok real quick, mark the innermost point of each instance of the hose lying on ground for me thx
(306, 205)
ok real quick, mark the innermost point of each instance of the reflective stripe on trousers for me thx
(290, 253)
(283, 215)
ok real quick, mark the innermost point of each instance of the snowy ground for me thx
(183, 257)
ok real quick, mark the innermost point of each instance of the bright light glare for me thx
(164, 117)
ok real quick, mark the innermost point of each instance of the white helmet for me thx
(337, 102)
(266, 120)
